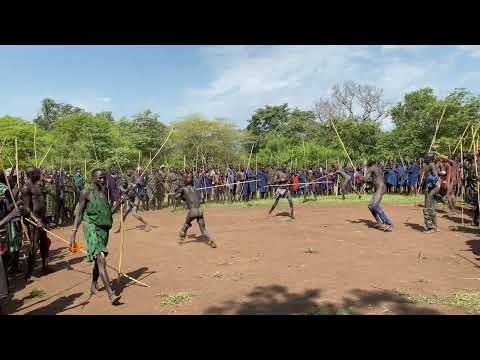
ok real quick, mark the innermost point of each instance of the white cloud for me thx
(248, 77)
(104, 99)
(472, 50)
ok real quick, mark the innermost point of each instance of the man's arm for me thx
(81, 209)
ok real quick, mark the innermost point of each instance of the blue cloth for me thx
(375, 209)
(251, 186)
(401, 176)
(392, 177)
(413, 174)
(262, 182)
(198, 185)
(141, 189)
(208, 183)
(302, 179)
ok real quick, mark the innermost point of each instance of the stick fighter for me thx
(374, 177)
(189, 195)
(281, 179)
(97, 217)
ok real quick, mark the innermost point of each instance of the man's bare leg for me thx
(102, 269)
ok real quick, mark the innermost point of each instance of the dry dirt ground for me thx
(326, 260)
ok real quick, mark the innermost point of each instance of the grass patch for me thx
(470, 301)
(218, 275)
(345, 311)
(319, 311)
(36, 293)
(350, 199)
(466, 299)
(177, 298)
(311, 250)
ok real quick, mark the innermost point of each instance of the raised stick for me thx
(83, 251)
(341, 142)
(158, 152)
(122, 241)
(436, 129)
(93, 146)
(3, 144)
(476, 170)
(13, 198)
(45, 156)
(461, 138)
(35, 144)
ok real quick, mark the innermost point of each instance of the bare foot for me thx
(388, 228)
(212, 244)
(431, 231)
(147, 228)
(113, 298)
(93, 289)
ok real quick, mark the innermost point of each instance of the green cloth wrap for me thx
(97, 224)
(96, 238)
(429, 216)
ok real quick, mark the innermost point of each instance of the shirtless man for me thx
(130, 196)
(34, 208)
(283, 190)
(374, 177)
(189, 195)
(346, 182)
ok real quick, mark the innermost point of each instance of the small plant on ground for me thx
(345, 311)
(36, 293)
(177, 298)
(218, 275)
(311, 250)
(470, 301)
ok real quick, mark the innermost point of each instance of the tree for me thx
(354, 101)
(51, 111)
(269, 118)
(215, 140)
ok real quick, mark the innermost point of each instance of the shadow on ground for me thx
(414, 226)
(196, 239)
(284, 213)
(136, 274)
(369, 223)
(277, 300)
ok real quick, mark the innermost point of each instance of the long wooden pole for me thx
(436, 129)
(462, 183)
(473, 136)
(341, 142)
(35, 144)
(3, 144)
(13, 198)
(16, 165)
(461, 138)
(45, 156)
(122, 241)
(476, 171)
(158, 152)
(93, 146)
(83, 251)
(85, 178)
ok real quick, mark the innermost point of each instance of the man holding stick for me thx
(34, 203)
(374, 176)
(432, 187)
(346, 182)
(97, 216)
(283, 190)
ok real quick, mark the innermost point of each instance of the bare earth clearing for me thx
(329, 260)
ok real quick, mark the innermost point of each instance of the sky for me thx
(220, 81)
